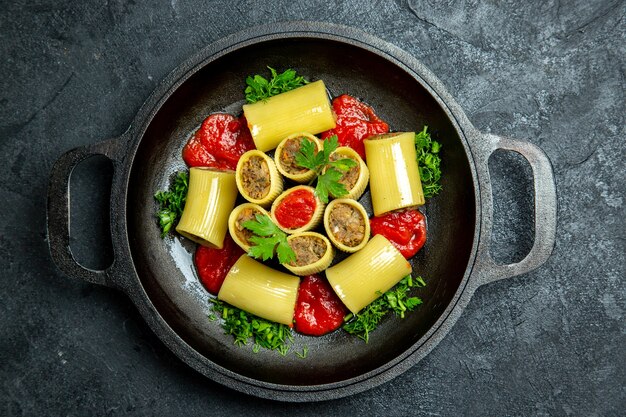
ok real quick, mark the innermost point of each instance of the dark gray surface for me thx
(550, 342)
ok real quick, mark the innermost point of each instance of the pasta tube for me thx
(285, 156)
(304, 109)
(365, 275)
(356, 178)
(258, 180)
(314, 253)
(210, 199)
(347, 224)
(394, 175)
(240, 214)
(260, 290)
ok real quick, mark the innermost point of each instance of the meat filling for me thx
(288, 156)
(308, 249)
(351, 176)
(255, 177)
(347, 225)
(242, 233)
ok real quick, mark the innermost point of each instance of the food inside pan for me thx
(307, 159)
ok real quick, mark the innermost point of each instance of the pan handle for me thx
(58, 208)
(545, 208)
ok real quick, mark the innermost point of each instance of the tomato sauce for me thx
(214, 264)
(406, 230)
(318, 309)
(219, 142)
(355, 121)
(296, 209)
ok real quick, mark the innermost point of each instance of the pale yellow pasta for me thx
(314, 253)
(394, 174)
(355, 187)
(304, 109)
(210, 199)
(315, 219)
(258, 180)
(260, 290)
(365, 275)
(240, 214)
(347, 224)
(285, 157)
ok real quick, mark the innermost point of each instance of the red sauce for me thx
(296, 209)
(355, 121)
(214, 264)
(318, 309)
(406, 230)
(219, 142)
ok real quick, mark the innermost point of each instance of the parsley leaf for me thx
(395, 300)
(269, 239)
(172, 202)
(308, 157)
(429, 162)
(259, 88)
(328, 172)
(328, 183)
(244, 326)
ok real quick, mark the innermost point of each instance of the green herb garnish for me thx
(305, 352)
(269, 239)
(244, 326)
(172, 202)
(428, 160)
(328, 172)
(396, 299)
(259, 88)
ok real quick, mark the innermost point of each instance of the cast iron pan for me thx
(158, 274)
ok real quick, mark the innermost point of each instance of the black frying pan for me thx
(158, 274)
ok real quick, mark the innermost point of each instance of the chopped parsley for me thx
(268, 240)
(244, 326)
(429, 162)
(172, 202)
(259, 88)
(328, 172)
(395, 300)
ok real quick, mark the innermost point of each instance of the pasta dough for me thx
(210, 199)
(261, 290)
(365, 275)
(305, 109)
(394, 174)
(258, 180)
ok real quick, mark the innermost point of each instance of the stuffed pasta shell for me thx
(297, 209)
(355, 178)
(240, 214)
(314, 253)
(347, 224)
(258, 180)
(285, 157)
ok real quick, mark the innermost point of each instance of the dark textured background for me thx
(551, 342)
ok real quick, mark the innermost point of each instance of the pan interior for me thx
(165, 266)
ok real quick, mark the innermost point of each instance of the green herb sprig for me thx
(328, 173)
(429, 162)
(269, 240)
(244, 326)
(172, 202)
(259, 88)
(395, 300)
